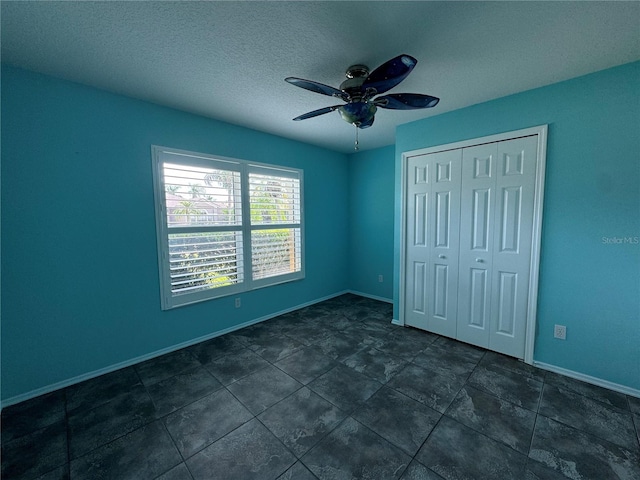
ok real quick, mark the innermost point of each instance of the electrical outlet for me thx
(560, 331)
(238, 302)
(380, 278)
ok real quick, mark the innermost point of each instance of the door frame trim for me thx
(536, 232)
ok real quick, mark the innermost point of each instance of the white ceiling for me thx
(228, 60)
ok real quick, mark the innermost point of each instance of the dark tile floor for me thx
(332, 391)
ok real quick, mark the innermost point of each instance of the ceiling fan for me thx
(361, 88)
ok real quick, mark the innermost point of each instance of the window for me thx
(224, 226)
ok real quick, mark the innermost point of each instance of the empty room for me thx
(298, 240)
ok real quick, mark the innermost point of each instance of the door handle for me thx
(479, 260)
(441, 256)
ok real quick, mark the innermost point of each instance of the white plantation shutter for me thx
(199, 196)
(200, 261)
(276, 244)
(275, 199)
(224, 226)
(275, 252)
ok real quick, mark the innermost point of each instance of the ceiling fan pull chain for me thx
(357, 147)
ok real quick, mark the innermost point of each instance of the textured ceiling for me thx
(228, 60)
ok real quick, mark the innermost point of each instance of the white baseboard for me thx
(616, 387)
(127, 363)
(372, 297)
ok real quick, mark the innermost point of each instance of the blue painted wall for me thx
(371, 193)
(588, 282)
(79, 266)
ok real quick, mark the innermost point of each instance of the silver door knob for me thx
(479, 260)
(441, 256)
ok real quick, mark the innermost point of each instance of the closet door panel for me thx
(445, 229)
(507, 297)
(476, 242)
(418, 293)
(432, 231)
(478, 298)
(417, 248)
(515, 187)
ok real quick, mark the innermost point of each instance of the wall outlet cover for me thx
(560, 332)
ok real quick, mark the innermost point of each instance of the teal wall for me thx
(371, 192)
(79, 265)
(592, 194)
(79, 269)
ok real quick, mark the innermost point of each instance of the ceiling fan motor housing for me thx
(357, 71)
(356, 75)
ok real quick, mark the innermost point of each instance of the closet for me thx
(471, 229)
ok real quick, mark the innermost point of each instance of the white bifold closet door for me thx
(496, 219)
(468, 242)
(433, 231)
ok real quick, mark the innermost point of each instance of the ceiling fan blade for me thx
(389, 74)
(315, 113)
(316, 87)
(406, 101)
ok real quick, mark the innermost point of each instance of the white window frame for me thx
(160, 155)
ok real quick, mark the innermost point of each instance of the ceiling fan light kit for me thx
(360, 91)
